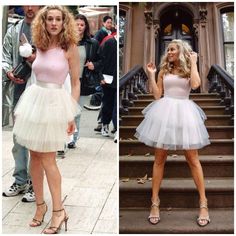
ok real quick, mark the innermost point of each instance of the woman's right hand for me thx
(71, 127)
(151, 68)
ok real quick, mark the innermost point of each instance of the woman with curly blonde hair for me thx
(42, 38)
(45, 113)
(174, 122)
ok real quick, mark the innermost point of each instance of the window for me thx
(168, 30)
(185, 30)
(227, 17)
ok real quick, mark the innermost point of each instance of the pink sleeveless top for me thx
(175, 86)
(51, 66)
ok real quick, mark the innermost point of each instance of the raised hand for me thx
(151, 68)
(193, 57)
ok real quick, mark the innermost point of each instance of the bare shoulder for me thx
(71, 52)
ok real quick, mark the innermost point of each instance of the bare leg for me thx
(157, 176)
(37, 174)
(54, 182)
(197, 173)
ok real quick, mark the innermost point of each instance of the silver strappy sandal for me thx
(205, 219)
(154, 219)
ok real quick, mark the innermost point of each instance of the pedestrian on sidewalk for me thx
(108, 54)
(101, 36)
(10, 59)
(105, 29)
(174, 122)
(89, 68)
(45, 113)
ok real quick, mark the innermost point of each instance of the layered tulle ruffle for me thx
(173, 124)
(42, 115)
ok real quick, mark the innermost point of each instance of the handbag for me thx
(22, 70)
(90, 78)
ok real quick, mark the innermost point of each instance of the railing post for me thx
(222, 83)
(131, 84)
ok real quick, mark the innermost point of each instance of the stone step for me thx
(215, 132)
(139, 166)
(219, 120)
(200, 102)
(209, 110)
(176, 221)
(192, 96)
(217, 147)
(178, 193)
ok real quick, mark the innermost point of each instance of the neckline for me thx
(173, 74)
(52, 48)
(177, 76)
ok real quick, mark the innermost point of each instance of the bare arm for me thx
(73, 58)
(155, 87)
(195, 80)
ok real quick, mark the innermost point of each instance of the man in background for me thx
(105, 30)
(10, 59)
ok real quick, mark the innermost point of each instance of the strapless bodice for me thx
(175, 86)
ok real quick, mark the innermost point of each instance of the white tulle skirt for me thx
(42, 115)
(173, 124)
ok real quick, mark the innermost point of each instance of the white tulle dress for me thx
(173, 122)
(45, 108)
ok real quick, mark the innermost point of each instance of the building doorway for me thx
(176, 23)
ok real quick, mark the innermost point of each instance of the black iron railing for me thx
(131, 84)
(221, 82)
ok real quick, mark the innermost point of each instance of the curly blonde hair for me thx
(66, 37)
(184, 61)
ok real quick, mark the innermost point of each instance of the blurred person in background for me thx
(10, 59)
(89, 68)
(105, 30)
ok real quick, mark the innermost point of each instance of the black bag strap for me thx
(90, 50)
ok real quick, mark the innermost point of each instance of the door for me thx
(176, 23)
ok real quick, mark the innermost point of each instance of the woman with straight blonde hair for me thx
(174, 122)
(45, 113)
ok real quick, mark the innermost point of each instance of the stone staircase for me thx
(178, 194)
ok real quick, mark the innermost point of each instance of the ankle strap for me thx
(203, 205)
(40, 204)
(157, 203)
(58, 210)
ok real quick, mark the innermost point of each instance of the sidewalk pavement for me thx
(89, 186)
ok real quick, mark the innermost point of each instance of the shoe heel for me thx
(66, 219)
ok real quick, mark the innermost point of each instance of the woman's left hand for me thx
(71, 127)
(193, 57)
